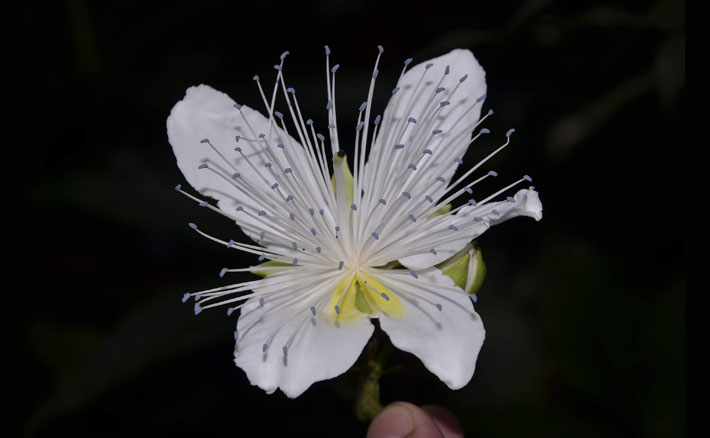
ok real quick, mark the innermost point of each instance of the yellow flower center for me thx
(363, 298)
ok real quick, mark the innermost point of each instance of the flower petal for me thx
(319, 350)
(443, 96)
(206, 127)
(447, 341)
(526, 202)
(472, 221)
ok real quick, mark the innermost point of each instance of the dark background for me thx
(584, 310)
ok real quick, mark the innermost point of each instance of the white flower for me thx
(310, 318)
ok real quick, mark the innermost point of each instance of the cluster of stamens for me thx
(326, 234)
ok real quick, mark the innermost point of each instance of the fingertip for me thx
(447, 423)
(402, 419)
(395, 421)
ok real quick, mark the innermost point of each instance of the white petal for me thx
(526, 202)
(208, 114)
(446, 341)
(426, 259)
(417, 99)
(320, 350)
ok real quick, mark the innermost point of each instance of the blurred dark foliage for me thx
(584, 311)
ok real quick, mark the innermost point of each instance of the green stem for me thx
(367, 404)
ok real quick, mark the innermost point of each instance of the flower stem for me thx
(367, 404)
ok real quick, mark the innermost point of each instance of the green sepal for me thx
(474, 283)
(349, 184)
(466, 268)
(270, 264)
(361, 303)
(394, 264)
(456, 267)
(442, 211)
